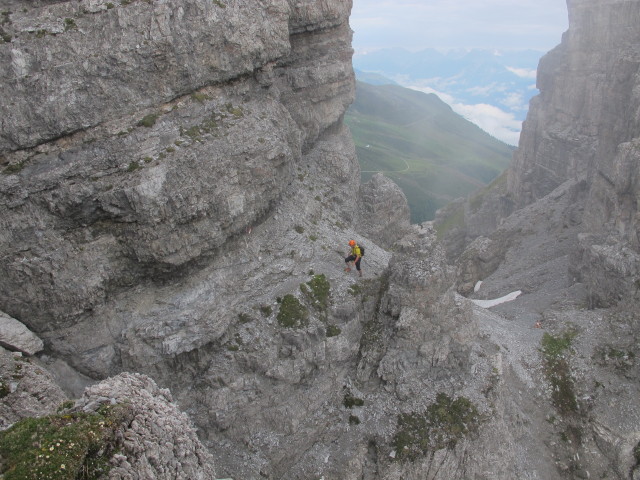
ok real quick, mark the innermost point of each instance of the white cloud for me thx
(438, 83)
(515, 102)
(485, 91)
(496, 122)
(466, 24)
(502, 125)
(523, 72)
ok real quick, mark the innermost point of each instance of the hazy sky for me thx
(418, 24)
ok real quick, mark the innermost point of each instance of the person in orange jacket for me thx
(354, 257)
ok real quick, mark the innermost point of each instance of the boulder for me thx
(159, 441)
(14, 335)
(26, 389)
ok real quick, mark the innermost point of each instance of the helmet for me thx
(352, 243)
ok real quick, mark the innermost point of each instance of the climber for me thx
(355, 255)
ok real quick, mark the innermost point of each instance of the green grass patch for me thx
(148, 121)
(621, 360)
(74, 446)
(235, 111)
(292, 314)
(354, 289)
(556, 351)
(133, 166)
(193, 132)
(442, 425)
(4, 36)
(200, 97)
(13, 168)
(350, 401)
(318, 291)
(69, 24)
(4, 389)
(333, 331)
(67, 404)
(555, 347)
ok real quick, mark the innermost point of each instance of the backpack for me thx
(361, 250)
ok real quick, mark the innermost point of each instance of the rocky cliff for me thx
(581, 129)
(561, 229)
(176, 202)
(584, 127)
(136, 158)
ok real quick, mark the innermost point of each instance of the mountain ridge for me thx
(470, 76)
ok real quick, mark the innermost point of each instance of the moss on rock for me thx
(292, 313)
(442, 425)
(60, 447)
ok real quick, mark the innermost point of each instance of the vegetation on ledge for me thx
(555, 351)
(442, 425)
(60, 447)
(292, 313)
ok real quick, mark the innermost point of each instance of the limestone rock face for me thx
(141, 157)
(26, 389)
(584, 126)
(161, 51)
(385, 212)
(15, 336)
(159, 441)
(564, 234)
(177, 202)
(429, 328)
(588, 102)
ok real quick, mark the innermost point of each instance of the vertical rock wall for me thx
(138, 137)
(584, 127)
(588, 102)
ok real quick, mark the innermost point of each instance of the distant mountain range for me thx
(490, 88)
(434, 154)
(504, 79)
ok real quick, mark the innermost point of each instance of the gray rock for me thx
(159, 441)
(592, 79)
(156, 218)
(185, 133)
(595, 139)
(14, 335)
(26, 389)
(385, 212)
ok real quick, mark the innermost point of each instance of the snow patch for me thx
(497, 301)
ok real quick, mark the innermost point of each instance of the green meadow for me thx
(431, 152)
